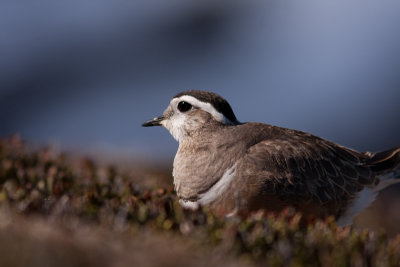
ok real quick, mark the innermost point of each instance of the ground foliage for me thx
(56, 212)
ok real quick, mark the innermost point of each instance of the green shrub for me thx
(37, 185)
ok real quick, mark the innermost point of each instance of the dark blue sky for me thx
(86, 75)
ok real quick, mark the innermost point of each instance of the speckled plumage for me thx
(269, 167)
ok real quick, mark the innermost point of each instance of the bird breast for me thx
(197, 168)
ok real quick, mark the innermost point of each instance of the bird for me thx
(232, 167)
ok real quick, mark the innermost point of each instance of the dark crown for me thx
(217, 101)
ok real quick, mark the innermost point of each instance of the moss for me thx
(38, 184)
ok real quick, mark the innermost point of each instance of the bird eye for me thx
(184, 106)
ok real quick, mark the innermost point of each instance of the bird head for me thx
(190, 111)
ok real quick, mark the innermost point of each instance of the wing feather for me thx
(308, 168)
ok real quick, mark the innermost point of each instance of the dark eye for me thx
(184, 106)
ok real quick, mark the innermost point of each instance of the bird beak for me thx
(154, 122)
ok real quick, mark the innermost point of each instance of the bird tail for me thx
(385, 161)
(386, 165)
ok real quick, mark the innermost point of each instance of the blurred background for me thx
(83, 75)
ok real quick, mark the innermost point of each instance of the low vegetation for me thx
(54, 212)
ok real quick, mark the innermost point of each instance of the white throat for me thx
(180, 123)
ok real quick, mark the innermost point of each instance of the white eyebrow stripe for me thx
(204, 106)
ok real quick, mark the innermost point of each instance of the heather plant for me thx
(56, 211)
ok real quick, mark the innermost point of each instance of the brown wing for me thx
(305, 168)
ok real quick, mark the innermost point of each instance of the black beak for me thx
(154, 122)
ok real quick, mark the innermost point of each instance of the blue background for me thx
(83, 76)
